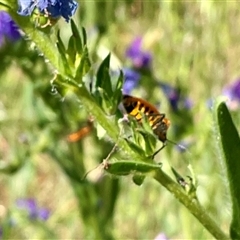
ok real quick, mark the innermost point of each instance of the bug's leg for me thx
(163, 146)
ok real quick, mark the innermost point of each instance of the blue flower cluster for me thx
(139, 57)
(8, 28)
(232, 92)
(161, 236)
(34, 212)
(176, 100)
(54, 8)
(131, 79)
(140, 60)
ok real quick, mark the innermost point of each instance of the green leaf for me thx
(62, 51)
(138, 179)
(103, 78)
(84, 36)
(122, 167)
(12, 167)
(117, 95)
(230, 149)
(103, 88)
(187, 184)
(136, 148)
(120, 81)
(77, 38)
(84, 65)
(71, 50)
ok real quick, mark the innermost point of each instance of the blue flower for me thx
(131, 78)
(140, 58)
(187, 103)
(183, 145)
(232, 92)
(55, 8)
(26, 7)
(33, 210)
(8, 28)
(172, 94)
(209, 103)
(161, 236)
(174, 97)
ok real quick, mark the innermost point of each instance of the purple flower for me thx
(209, 103)
(183, 145)
(172, 94)
(55, 8)
(140, 58)
(43, 214)
(232, 92)
(131, 80)
(32, 208)
(174, 97)
(8, 28)
(26, 7)
(161, 236)
(187, 103)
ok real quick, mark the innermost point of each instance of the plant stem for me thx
(109, 126)
(191, 204)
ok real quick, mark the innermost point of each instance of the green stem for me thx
(88, 201)
(191, 204)
(109, 126)
(42, 40)
(48, 48)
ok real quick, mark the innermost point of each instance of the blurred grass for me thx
(196, 44)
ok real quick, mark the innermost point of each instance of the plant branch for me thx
(191, 204)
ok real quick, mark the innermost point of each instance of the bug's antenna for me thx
(177, 144)
(165, 144)
(180, 146)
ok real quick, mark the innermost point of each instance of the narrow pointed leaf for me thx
(103, 78)
(117, 96)
(230, 149)
(62, 51)
(77, 37)
(71, 50)
(84, 65)
(84, 36)
(128, 167)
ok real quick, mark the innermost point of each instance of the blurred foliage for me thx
(195, 49)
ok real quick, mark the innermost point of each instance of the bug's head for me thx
(161, 130)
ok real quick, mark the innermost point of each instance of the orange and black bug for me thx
(138, 107)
